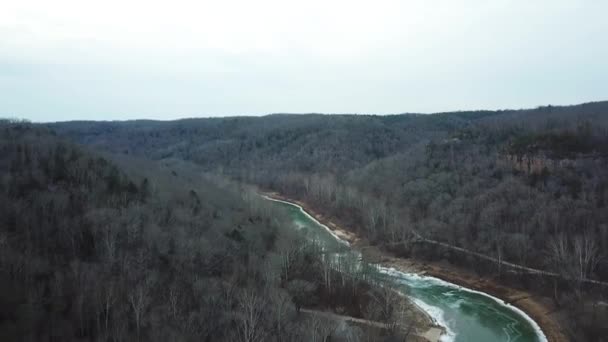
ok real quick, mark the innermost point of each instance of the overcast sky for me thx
(120, 59)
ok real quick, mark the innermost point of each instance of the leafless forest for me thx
(146, 230)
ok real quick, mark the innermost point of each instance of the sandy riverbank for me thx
(541, 310)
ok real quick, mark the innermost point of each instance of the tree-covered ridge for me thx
(96, 247)
(89, 251)
(524, 186)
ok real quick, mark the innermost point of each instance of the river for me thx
(467, 315)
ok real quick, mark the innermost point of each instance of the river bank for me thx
(419, 325)
(537, 308)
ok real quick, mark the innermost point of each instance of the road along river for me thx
(466, 315)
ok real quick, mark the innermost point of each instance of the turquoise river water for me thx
(467, 315)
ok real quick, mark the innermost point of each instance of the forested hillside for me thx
(525, 186)
(98, 247)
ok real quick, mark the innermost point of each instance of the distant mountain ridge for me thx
(525, 186)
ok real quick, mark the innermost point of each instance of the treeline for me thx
(525, 186)
(101, 248)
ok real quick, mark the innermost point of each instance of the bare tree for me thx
(587, 255)
(249, 317)
(288, 248)
(110, 243)
(300, 291)
(173, 300)
(282, 307)
(498, 242)
(139, 298)
(574, 261)
(385, 306)
(109, 298)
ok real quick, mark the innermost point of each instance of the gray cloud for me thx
(349, 57)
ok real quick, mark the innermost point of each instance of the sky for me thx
(120, 59)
